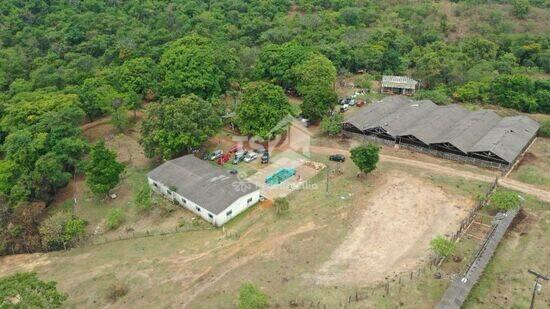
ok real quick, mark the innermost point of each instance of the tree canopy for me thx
(365, 157)
(262, 107)
(26, 290)
(175, 126)
(102, 169)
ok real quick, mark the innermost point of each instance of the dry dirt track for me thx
(505, 182)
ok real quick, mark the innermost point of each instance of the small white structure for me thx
(207, 190)
(398, 85)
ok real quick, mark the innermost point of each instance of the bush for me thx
(438, 96)
(544, 130)
(143, 198)
(504, 200)
(282, 206)
(250, 297)
(115, 218)
(26, 290)
(61, 230)
(117, 290)
(442, 246)
(332, 125)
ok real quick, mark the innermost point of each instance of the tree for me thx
(316, 72)
(177, 125)
(61, 230)
(332, 125)
(138, 75)
(504, 200)
(250, 297)
(318, 101)
(143, 197)
(276, 63)
(119, 118)
(442, 246)
(514, 91)
(194, 64)
(102, 169)
(262, 107)
(365, 157)
(544, 131)
(115, 218)
(97, 96)
(26, 290)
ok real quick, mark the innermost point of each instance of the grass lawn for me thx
(535, 166)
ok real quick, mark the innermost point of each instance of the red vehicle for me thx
(235, 148)
(360, 103)
(224, 158)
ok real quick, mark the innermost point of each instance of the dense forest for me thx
(63, 63)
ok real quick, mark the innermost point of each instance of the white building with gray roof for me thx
(207, 190)
(398, 85)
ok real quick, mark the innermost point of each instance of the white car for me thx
(251, 156)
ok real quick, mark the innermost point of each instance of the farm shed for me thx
(207, 190)
(481, 136)
(398, 85)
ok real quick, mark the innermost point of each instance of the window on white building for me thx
(210, 216)
(249, 200)
(198, 209)
(229, 213)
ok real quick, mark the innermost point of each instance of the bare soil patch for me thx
(393, 232)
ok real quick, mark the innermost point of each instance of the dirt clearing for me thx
(393, 232)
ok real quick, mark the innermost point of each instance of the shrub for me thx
(61, 230)
(332, 125)
(143, 198)
(115, 218)
(26, 290)
(281, 205)
(544, 130)
(438, 96)
(117, 290)
(504, 200)
(250, 297)
(442, 246)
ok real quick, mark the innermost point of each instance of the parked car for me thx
(239, 156)
(265, 158)
(344, 108)
(251, 156)
(214, 155)
(360, 103)
(233, 172)
(351, 102)
(235, 148)
(337, 158)
(260, 150)
(223, 158)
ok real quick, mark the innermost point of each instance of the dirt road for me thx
(505, 182)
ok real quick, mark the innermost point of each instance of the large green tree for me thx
(365, 157)
(102, 169)
(26, 290)
(262, 107)
(138, 75)
(277, 63)
(318, 101)
(196, 64)
(316, 72)
(177, 125)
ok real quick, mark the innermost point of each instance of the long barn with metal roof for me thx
(482, 134)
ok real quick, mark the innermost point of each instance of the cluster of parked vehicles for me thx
(238, 154)
(352, 100)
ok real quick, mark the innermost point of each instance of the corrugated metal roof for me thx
(406, 116)
(439, 122)
(391, 81)
(210, 187)
(469, 130)
(508, 138)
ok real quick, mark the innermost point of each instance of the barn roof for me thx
(390, 81)
(469, 130)
(204, 184)
(404, 117)
(437, 123)
(508, 138)
(371, 114)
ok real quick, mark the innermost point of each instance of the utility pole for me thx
(537, 287)
(328, 173)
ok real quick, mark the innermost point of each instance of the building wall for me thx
(218, 220)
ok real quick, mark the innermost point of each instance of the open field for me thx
(534, 168)
(280, 255)
(506, 283)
